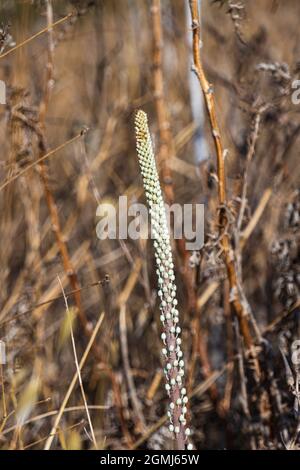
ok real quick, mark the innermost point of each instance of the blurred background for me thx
(78, 87)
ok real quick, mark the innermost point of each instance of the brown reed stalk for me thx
(228, 253)
(166, 153)
(166, 143)
(52, 207)
(56, 226)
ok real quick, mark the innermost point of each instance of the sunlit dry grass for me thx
(67, 144)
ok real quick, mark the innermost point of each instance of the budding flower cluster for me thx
(169, 315)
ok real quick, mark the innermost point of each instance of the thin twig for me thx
(228, 252)
(58, 297)
(241, 368)
(52, 207)
(124, 348)
(40, 160)
(26, 41)
(167, 151)
(48, 414)
(250, 154)
(73, 382)
(77, 365)
(255, 217)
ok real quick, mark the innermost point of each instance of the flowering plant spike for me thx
(169, 315)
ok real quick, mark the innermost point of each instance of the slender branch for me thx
(166, 154)
(36, 35)
(167, 151)
(46, 302)
(166, 145)
(40, 160)
(128, 373)
(53, 413)
(228, 253)
(250, 154)
(245, 234)
(72, 384)
(77, 365)
(52, 207)
(121, 302)
(56, 226)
